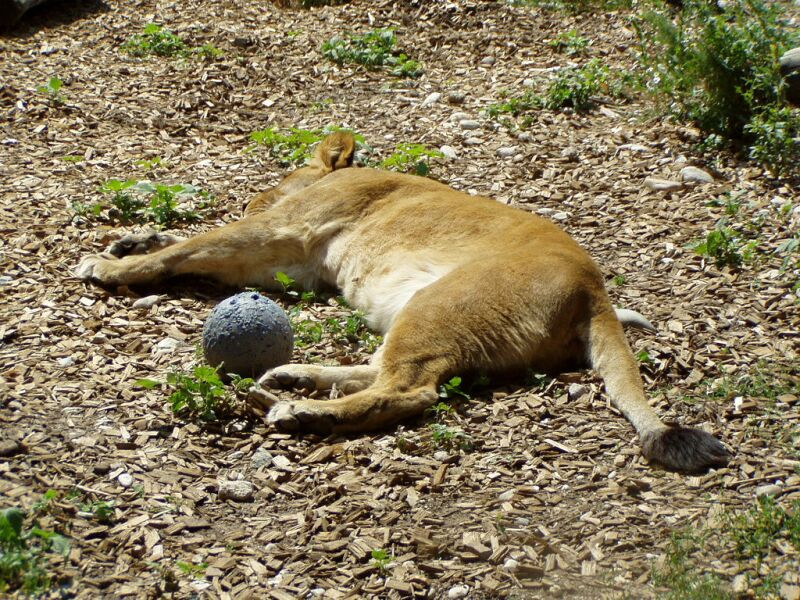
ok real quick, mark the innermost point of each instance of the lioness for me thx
(455, 283)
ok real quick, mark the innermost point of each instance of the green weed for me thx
(135, 201)
(373, 50)
(571, 43)
(411, 158)
(765, 380)
(679, 575)
(575, 86)
(193, 570)
(24, 550)
(755, 531)
(718, 67)
(201, 394)
(619, 280)
(576, 6)
(72, 158)
(53, 91)
(208, 52)
(452, 390)
(450, 438)
(727, 247)
(157, 41)
(151, 164)
(381, 559)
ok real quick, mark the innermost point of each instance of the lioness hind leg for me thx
(349, 380)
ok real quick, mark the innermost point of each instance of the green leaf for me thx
(147, 384)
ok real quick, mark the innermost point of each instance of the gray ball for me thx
(248, 334)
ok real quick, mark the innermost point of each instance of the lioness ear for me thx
(335, 152)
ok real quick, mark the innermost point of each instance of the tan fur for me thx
(456, 283)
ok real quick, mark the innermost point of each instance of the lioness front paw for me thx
(96, 268)
(142, 243)
(308, 415)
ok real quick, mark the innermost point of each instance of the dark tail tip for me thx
(685, 450)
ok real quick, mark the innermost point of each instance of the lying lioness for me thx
(455, 283)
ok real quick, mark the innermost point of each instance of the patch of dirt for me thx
(554, 485)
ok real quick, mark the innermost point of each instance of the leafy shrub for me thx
(719, 68)
(24, 550)
(157, 41)
(727, 247)
(142, 201)
(201, 394)
(575, 86)
(411, 158)
(373, 50)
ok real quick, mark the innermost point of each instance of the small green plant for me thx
(571, 43)
(24, 550)
(373, 50)
(755, 531)
(411, 158)
(381, 559)
(450, 438)
(135, 201)
(151, 164)
(644, 357)
(72, 158)
(528, 101)
(452, 390)
(155, 40)
(53, 91)
(619, 280)
(208, 52)
(576, 6)
(201, 394)
(718, 67)
(575, 86)
(726, 247)
(764, 380)
(193, 570)
(679, 575)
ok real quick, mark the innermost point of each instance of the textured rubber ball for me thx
(248, 334)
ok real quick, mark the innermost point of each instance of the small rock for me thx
(469, 125)
(560, 216)
(261, 458)
(10, 448)
(576, 391)
(456, 97)
(634, 148)
(528, 82)
(473, 141)
(570, 153)
(545, 210)
(768, 490)
(66, 361)
(790, 591)
(281, 462)
(739, 584)
(440, 455)
(457, 117)
(507, 151)
(243, 42)
(488, 61)
(790, 69)
(696, 175)
(5, 279)
(449, 152)
(620, 460)
(432, 98)
(662, 185)
(510, 565)
(458, 591)
(238, 491)
(147, 302)
(505, 496)
(525, 136)
(125, 480)
(167, 345)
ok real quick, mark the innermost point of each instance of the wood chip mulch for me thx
(552, 500)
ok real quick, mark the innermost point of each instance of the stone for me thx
(510, 565)
(507, 151)
(458, 591)
(505, 496)
(10, 448)
(576, 391)
(662, 185)
(125, 480)
(238, 491)
(473, 141)
(166, 345)
(457, 117)
(570, 153)
(693, 174)
(739, 584)
(768, 490)
(449, 152)
(261, 458)
(146, 302)
(440, 455)
(469, 124)
(560, 216)
(790, 591)
(432, 98)
(456, 97)
(66, 361)
(488, 61)
(790, 69)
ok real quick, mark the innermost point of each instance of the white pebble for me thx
(431, 99)
(469, 124)
(238, 491)
(506, 151)
(506, 496)
(458, 591)
(449, 152)
(125, 480)
(147, 301)
(696, 175)
(510, 565)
